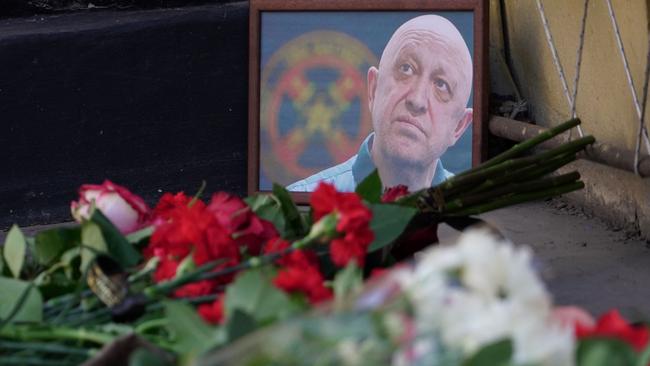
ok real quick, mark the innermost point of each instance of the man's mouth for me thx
(410, 121)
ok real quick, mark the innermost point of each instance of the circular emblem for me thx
(314, 105)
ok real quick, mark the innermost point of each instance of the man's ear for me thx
(464, 122)
(372, 85)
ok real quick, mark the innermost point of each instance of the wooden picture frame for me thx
(285, 42)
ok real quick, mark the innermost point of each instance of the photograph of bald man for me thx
(418, 98)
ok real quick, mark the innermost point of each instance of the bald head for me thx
(436, 29)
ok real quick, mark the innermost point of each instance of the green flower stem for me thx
(71, 314)
(459, 183)
(198, 194)
(518, 198)
(55, 305)
(251, 263)
(161, 342)
(155, 306)
(151, 324)
(524, 174)
(168, 286)
(24, 361)
(321, 231)
(94, 317)
(65, 299)
(324, 229)
(47, 348)
(205, 298)
(526, 145)
(486, 197)
(48, 333)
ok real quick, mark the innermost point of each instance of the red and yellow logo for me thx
(314, 104)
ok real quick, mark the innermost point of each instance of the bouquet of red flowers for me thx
(191, 280)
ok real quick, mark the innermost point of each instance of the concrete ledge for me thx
(619, 197)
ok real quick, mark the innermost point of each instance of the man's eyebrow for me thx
(406, 51)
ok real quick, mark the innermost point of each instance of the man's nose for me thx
(416, 100)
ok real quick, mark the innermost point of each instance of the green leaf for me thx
(239, 324)
(186, 266)
(347, 282)
(70, 268)
(93, 241)
(604, 352)
(388, 222)
(370, 188)
(495, 354)
(258, 200)
(295, 224)
(31, 309)
(192, 335)
(138, 236)
(267, 207)
(118, 247)
(253, 293)
(14, 250)
(54, 284)
(51, 244)
(644, 357)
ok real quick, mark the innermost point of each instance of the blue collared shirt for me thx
(351, 172)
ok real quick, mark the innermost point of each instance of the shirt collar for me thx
(364, 165)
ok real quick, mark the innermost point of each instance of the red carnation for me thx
(212, 312)
(243, 224)
(191, 230)
(166, 270)
(323, 200)
(301, 272)
(167, 203)
(353, 223)
(184, 229)
(195, 289)
(307, 280)
(612, 325)
(296, 258)
(351, 247)
(392, 194)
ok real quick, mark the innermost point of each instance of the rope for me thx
(642, 128)
(640, 110)
(579, 61)
(556, 59)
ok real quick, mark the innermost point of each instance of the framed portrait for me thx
(338, 88)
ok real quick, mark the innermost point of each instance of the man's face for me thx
(418, 95)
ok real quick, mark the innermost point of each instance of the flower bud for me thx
(125, 210)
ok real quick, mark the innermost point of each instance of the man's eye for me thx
(406, 69)
(441, 85)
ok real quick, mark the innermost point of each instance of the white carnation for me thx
(483, 290)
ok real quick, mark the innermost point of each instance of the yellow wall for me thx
(604, 100)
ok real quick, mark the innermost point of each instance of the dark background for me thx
(146, 93)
